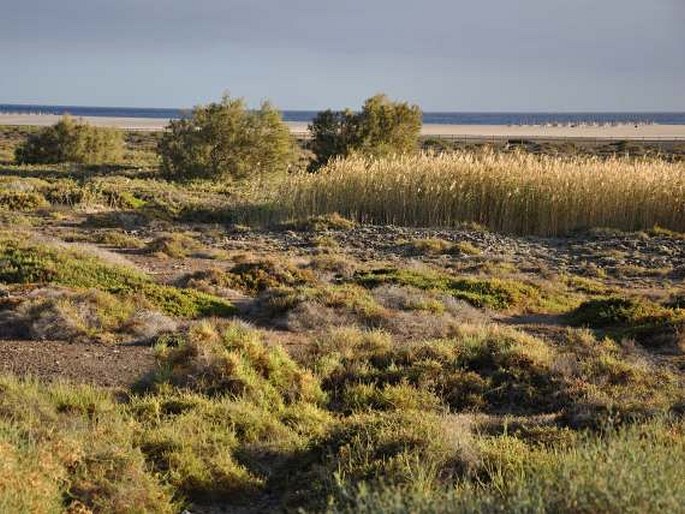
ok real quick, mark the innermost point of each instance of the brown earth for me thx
(120, 366)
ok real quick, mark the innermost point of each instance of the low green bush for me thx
(21, 201)
(480, 369)
(648, 322)
(225, 140)
(232, 359)
(617, 311)
(173, 245)
(494, 293)
(256, 276)
(73, 142)
(71, 449)
(25, 263)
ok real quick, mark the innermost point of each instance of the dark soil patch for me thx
(85, 363)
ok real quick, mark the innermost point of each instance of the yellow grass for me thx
(518, 193)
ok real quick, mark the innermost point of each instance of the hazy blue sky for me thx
(308, 54)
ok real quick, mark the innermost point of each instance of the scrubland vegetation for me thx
(226, 140)
(291, 352)
(71, 141)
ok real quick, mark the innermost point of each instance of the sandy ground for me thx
(653, 132)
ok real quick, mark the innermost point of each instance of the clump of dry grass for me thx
(233, 359)
(174, 245)
(72, 449)
(257, 275)
(66, 315)
(437, 246)
(518, 193)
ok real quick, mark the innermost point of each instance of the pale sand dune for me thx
(665, 132)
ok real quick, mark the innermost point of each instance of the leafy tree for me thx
(333, 134)
(385, 127)
(226, 140)
(382, 127)
(72, 141)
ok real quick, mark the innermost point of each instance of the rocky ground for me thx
(653, 263)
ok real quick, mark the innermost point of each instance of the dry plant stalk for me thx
(517, 193)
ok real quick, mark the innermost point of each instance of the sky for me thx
(445, 55)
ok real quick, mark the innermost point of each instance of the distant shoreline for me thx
(580, 131)
(429, 117)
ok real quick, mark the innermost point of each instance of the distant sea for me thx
(442, 118)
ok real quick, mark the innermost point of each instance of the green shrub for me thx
(173, 245)
(224, 449)
(390, 397)
(192, 442)
(334, 134)
(437, 246)
(616, 311)
(89, 315)
(410, 449)
(646, 321)
(21, 201)
(386, 127)
(608, 381)
(258, 275)
(226, 140)
(382, 127)
(74, 142)
(430, 246)
(481, 368)
(345, 299)
(320, 223)
(632, 470)
(118, 239)
(63, 316)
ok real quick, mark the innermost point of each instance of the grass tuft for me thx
(26, 263)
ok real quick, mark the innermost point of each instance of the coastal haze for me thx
(571, 61)
(445, 55)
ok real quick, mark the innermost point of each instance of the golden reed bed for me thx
(517, 193)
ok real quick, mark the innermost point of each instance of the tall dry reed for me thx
(518, 193)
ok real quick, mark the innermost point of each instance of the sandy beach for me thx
(651, 132)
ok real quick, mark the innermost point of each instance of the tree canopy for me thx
(72, 141)
(226, 140)
(382, 127)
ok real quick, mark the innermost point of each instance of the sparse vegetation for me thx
(39, 265)
(251, 354)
